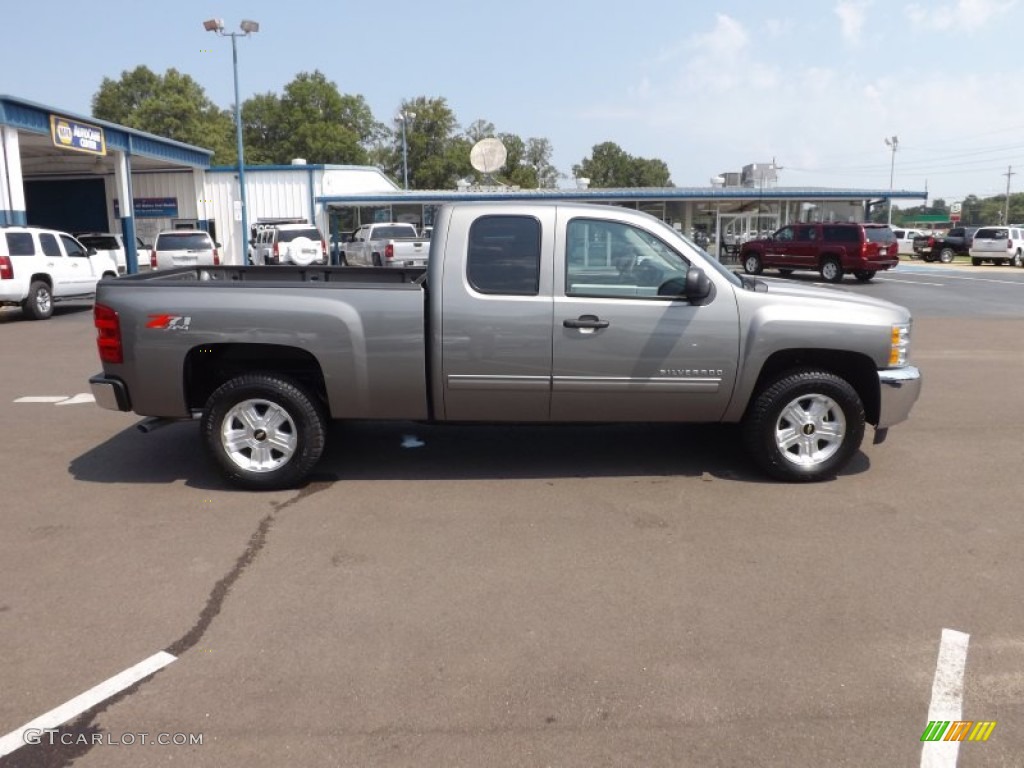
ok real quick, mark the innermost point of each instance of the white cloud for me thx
(962, 14)
(852, 14)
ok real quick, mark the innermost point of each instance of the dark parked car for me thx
(831, 249)
(945, 248)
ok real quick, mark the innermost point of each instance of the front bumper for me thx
(898, 391)
(110, 393)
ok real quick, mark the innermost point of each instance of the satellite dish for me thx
(488, 155)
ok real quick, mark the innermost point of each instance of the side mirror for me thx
(698, 285)
(217, 245)
(91, 251)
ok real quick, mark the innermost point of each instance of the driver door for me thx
(625, 346)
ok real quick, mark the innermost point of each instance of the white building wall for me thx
(177, 185)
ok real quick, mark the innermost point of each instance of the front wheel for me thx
(264, 430)
(38, 305)
(864, 275)
(1018, 260)
(946, 255)
(752, 264)
(805, 426)
(831, 270)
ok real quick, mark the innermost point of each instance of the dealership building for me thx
(78, 174)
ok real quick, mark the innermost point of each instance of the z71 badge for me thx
(169, 322)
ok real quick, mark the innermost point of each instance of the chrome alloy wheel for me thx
(259, 435)
(810, 429)
(44, 300)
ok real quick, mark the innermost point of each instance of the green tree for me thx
(172, 105)
(610, 166)
(311, 120)
(438, 155)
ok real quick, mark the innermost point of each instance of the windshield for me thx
(287, 235)
(183, 241)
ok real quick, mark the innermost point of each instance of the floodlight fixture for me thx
(213, 25)
(249, 26)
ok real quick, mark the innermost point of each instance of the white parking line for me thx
(947, 697)
(76, 706)
(81, 397)
(43, 399)
(904, 280)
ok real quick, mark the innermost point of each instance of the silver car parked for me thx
(184, 248)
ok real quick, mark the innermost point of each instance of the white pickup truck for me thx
(386, 245)
(41, 266)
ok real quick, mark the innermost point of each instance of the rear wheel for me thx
(264, 430)
(831, 270)
(946, 255)
(976, 262)
(805, 426)
(863, 275)
(38, 305)
(752, 263)
(1018, 259)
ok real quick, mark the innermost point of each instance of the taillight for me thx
(931, 241)
(389, 251)
(323, 248)
(1009, 245)
(108, 334)
(216, 258)
(6, 268)
(152, 259)
(277, 253)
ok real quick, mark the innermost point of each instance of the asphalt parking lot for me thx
(585, 596)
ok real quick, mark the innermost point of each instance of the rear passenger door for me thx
(80, 270)
(495, 342)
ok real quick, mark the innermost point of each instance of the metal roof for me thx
(624, 194)
(34, 118)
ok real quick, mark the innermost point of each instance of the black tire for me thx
(785, 272)
(864, 275)
(1018, 259)
(831, 270)
(752, 263)
(929, 259)
(343, 260)
(794, 408)
(376, 260)
(285, 430)
(946, 255)
(976, 262)
(38, 305)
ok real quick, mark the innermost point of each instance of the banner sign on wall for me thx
(151, 207)
(80, 137)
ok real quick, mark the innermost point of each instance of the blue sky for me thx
(707, 87)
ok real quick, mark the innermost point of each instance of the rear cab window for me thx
(504, 255)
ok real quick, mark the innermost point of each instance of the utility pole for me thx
(894, 142)
(1008, 174)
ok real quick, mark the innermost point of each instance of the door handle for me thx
(586, 321)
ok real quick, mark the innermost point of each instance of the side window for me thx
(20, 244)
(606, 259)
(786, 235)
(49, 244)
(72, 246)
(504, 255)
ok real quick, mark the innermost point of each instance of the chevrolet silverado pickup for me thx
(527, 312)
(386, 245)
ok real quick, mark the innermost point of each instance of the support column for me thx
(12, 186)
(123, 185)
(202, 202)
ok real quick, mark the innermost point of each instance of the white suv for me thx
(299, 244)
(41, 266)
(1000, 245)
(184, 248)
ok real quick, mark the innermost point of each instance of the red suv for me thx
(831, 249)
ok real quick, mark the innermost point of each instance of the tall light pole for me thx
(894, 142)
(404, 117)
(248, 27)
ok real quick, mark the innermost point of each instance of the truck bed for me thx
(286, 274)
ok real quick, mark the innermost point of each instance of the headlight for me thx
(900, 347)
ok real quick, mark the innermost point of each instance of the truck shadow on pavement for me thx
(412, 451)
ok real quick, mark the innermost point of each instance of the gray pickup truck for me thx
(527, 312)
